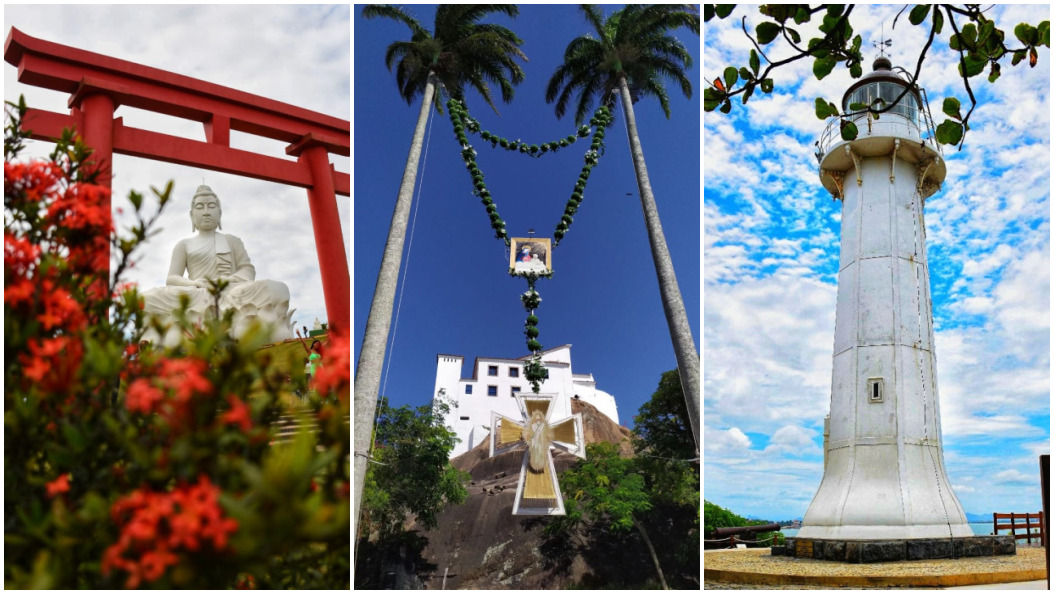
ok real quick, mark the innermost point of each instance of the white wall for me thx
(469, 414)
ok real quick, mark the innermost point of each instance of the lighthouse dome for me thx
(880, 88)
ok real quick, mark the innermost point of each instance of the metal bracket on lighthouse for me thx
(856, 164)
(838, 177)
(893, 163)
(923, 168)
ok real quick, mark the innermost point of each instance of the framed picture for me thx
(531, 255)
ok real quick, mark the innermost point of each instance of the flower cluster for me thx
(154, 526)
(56, 232)
(334, 376)
(169, 389)
(531, 299)
(534, 372)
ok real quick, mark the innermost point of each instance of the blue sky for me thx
(770, 270)
(299, 55)
(458, 298)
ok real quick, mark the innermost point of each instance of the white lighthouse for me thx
(884, 476)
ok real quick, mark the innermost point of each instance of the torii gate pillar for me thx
(325, 222)
(98, 109)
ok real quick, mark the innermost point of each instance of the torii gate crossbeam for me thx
(98, 84)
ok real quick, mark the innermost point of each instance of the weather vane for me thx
(882, 44)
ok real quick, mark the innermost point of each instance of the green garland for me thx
(533, 369)
(462, 122)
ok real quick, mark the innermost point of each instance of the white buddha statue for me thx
(211, 255)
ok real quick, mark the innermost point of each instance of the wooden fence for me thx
(1026, 522)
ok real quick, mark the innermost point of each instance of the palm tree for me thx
(461, 52)
(632, 54)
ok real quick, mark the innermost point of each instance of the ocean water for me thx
(979, 529)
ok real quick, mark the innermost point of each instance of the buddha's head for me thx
(205, 210)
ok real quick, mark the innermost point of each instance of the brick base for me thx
(875, 551)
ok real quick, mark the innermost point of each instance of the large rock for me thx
(480, 544)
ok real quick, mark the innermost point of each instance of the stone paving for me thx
(749, 569)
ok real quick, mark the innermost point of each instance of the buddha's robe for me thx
(224, 257)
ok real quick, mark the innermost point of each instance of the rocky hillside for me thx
(480, 544)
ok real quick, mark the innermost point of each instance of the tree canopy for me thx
(459, 51)
(411, 471)
(981, 47)
(634, 43)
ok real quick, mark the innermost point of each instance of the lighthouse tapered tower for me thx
(884, 476)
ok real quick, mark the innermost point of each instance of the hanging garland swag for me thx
(533, 370)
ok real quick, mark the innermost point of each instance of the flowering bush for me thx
(129, 466)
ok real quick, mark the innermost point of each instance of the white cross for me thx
(537, 492)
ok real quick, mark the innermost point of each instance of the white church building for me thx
(494, 385)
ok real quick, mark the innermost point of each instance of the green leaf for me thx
(969, 35)
(954, 42)
(794, 35)
(708, 12)
(918, 14)
(731, 76)
(825, 109)
(745, 74)
(823, 67)
(849, 131)
(755, 62)
(1044, 33)
(835, 10)
(767, 31)
(856, 70)
(802, 16)
(748, 90)
(974, 65)
(951, 107)
(723, 10)
(949, 132)
(1022, 32)
(711, 98)
(938, 21)
(767, 85)
(1018, 56)
(994, 72)
(726, 107)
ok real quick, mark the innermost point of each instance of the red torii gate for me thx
(98, 84)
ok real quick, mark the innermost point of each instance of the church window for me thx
(492, 370)
(514, 372)
(468, 388)
(492, 390)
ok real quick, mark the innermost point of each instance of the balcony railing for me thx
(914, 118)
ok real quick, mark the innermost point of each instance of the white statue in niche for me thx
(211, 255)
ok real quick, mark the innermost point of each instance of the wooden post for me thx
(1044, 483)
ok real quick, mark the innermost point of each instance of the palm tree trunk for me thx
(651, 549)
(672, 304)
(375, 341)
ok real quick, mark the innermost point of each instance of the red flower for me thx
(335, 373)
(239, 414)
(143, 397)
(158, 525)
(59, 485)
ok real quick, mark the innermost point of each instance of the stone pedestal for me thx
(878, 551)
